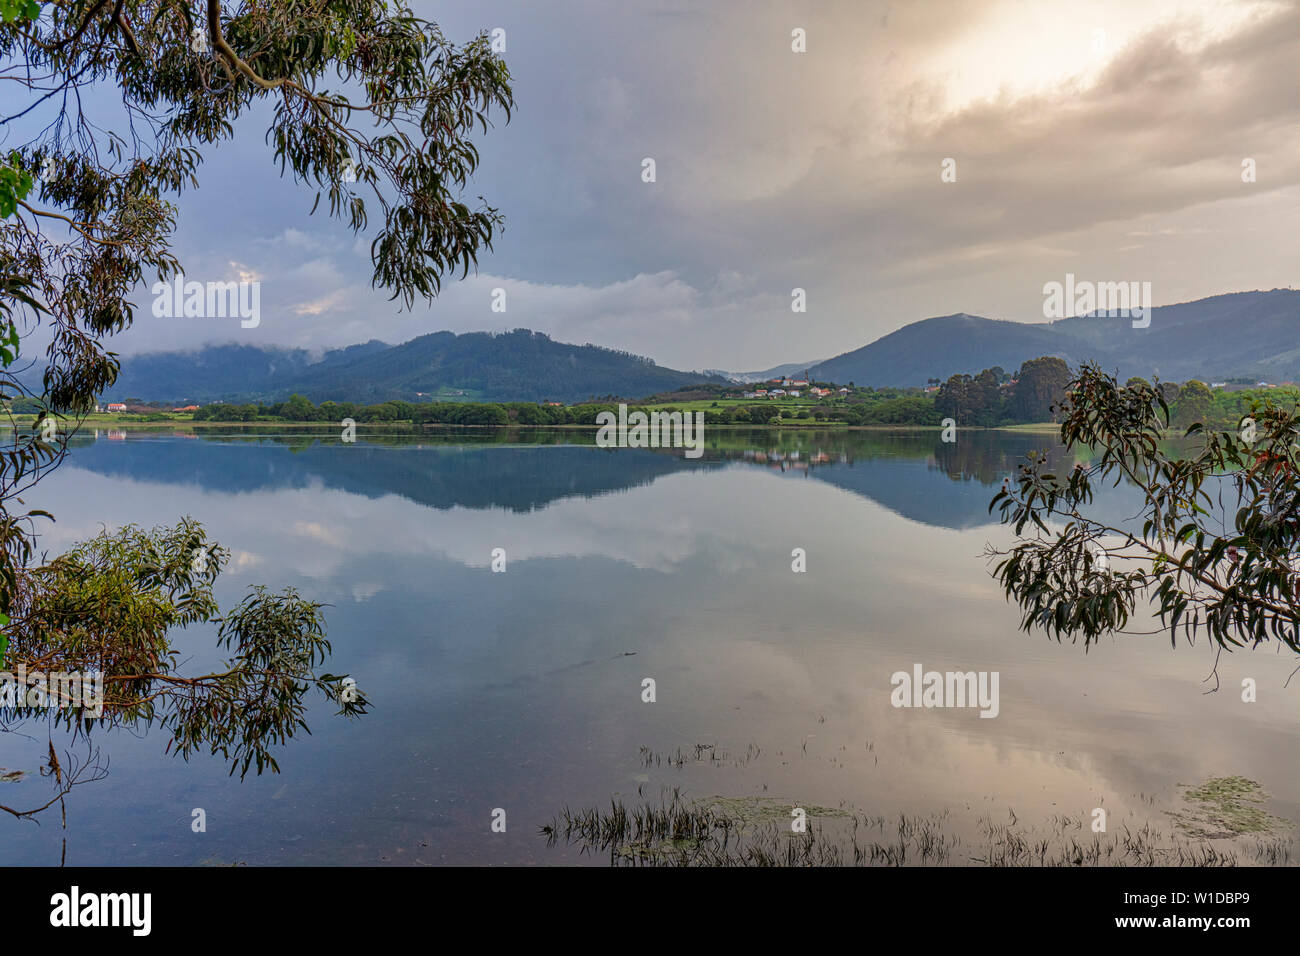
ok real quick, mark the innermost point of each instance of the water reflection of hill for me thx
(921, 477)
(913, 474)
(520, 478)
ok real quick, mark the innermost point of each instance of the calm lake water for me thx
(523, 690)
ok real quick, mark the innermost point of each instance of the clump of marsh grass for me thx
(756, 831)
(672, 832)
(700, 753)
(1005, 845)
(744, 831)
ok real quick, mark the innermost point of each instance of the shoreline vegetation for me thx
(137, 422)
(755, 832)
(1218, 823)
(1027, 401)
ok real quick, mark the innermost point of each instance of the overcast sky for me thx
(1100, 138)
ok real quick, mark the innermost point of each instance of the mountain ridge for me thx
(1231, 335)
(1253, 334)
(521, 365)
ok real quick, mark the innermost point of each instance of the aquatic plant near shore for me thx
(754, 831)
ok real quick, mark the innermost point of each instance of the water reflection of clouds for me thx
(692, 571)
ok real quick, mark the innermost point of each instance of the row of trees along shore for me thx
(1035, 394)
(990, 399)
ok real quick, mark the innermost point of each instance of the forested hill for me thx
(1253, 336)
(514, 366)
(1243, 336)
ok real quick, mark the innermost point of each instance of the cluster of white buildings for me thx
(791, 388)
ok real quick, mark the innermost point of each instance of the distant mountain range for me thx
(779, 371)
(1252, 335)
(1242, 334)
(513, 366)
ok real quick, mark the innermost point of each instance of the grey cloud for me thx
(778, 170)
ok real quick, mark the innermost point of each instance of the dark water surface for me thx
(523, 690)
